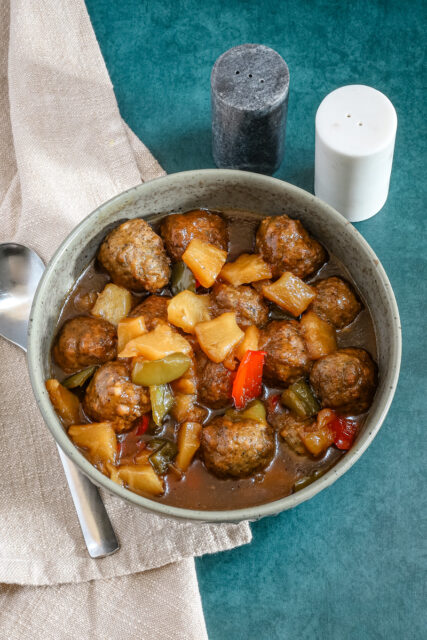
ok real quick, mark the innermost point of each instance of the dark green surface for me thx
(351, 563)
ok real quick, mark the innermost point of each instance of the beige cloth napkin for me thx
(63, 150)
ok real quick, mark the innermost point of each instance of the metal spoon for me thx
(20, 272)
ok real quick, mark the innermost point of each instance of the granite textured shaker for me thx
(249, 91)
(355, 135)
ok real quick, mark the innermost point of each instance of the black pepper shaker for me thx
(249, 91)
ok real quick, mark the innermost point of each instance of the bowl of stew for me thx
(214, 345)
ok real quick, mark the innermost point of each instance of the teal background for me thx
(351, 563)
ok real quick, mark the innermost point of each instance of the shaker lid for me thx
(250, 77)
(356, 121)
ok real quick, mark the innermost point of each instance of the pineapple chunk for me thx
(189, 438)
(156, 344)
(183, 385)
(249, 267)
(187, 309)
(98, 438)
(250, 342)
(113, 473)
(187, 383)
(128, 329)
(318, 334)
(66, 404)
(113, 304)
(290, 293)
(218, 337)
(231, 361)
(141, 477)
(183, 407)
(318, 436)
(205, 261)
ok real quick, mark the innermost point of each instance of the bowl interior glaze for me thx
(217, 188)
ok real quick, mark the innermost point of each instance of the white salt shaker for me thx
(355, 133)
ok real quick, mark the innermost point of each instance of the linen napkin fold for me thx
(64, 150)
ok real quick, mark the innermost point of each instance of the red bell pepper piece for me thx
(273, 401)
(142, 425)
(197, 284)
(344, 430)
(247, 384)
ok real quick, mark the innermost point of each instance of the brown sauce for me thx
(199, 489)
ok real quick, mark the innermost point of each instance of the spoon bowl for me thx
(20, 272)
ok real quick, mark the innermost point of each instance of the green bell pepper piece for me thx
(300, 399)
(162, 457)
(162, 400)
(182, 278)
(78, 379)
(155, 372)
(254, 411)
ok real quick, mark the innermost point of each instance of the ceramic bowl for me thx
(217, 188)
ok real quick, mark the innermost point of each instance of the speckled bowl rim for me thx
(234, 515)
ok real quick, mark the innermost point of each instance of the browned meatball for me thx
(177, 231)
(336, 302)
(112, 396)
(154, 309)
(287, 356)
(84, 341)
(237, 449)
(215, 382)
(248, 304)
(345, 380)
(135, 257)
(287, 246)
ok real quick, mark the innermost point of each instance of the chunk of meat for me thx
(287, 356)
(248, 304)
(154, 309)
(84, 341)
(215, 382)
(112, 396)
(336, 302)
(287, 246)
(237, 449)
(345, 380)
(289, 426)
(177, 231)
(134, 256)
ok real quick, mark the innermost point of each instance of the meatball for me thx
(287, 246)
(112, 396)
(135, 257)
(177, 231)
(336, 302)
(215, 382)
(84, 341)
(237, 449)
(154, 309)
(287, 356)
(345, 380)
(248, 304)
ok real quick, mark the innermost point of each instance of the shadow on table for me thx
(184, 150)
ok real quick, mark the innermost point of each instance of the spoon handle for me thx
(96, 527)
